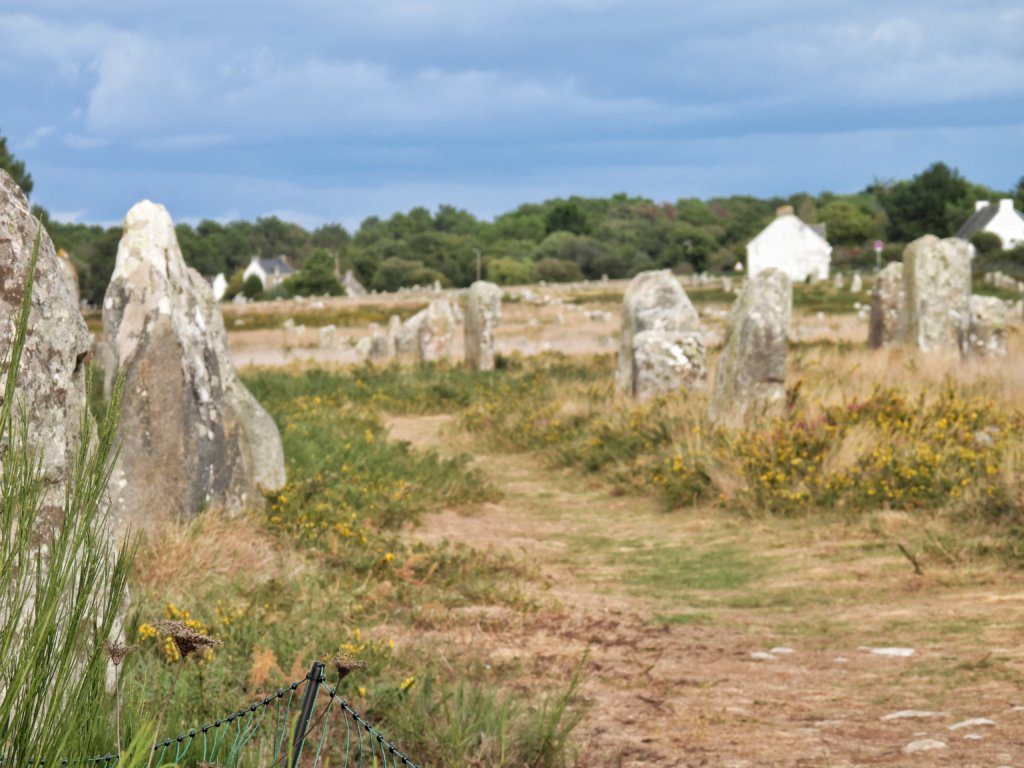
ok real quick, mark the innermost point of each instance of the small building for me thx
(271, 272)
(799, 250)
(999, 218)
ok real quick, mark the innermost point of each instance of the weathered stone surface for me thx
(664, 361)
(986, 336)
(353, 288)
(661, 347)
(193, 436)
(838, 282)
(887, 303)
(483, 313)
(937, 293)
(751, 376)
(51, 378)
(427, 336)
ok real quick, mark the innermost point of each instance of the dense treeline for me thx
(561, 239)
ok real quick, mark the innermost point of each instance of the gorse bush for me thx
(62, 584)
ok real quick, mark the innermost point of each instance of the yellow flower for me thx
(407, 683)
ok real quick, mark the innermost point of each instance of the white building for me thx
(1000, 219)
(789, 245)
(271, 272)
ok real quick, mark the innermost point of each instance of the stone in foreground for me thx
(937, 293)
(51, 378)
(427, 336)
(887, 302)
(662, 343)
(751, 376)
(483, 313)
(193, 435)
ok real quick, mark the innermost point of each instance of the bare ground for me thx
(668, 608)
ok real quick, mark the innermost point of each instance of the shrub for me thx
(557, 271)
(509, 271)
(252, 288)
(987, 244)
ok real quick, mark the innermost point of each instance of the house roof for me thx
(278, 264)
(981, 219)
(787, 219)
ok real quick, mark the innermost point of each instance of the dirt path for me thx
(723, 642)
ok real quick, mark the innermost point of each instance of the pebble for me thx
(906, 714)
(923, 745)
(973, 736)
(762, 656)
(975, 721)
(781, 650)
(896, 652)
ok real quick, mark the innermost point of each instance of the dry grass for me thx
(182, 557)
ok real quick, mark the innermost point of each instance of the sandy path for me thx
(667, 614)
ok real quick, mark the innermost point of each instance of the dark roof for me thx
(279, 265)
(978, 221)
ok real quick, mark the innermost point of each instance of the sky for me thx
(334, 110)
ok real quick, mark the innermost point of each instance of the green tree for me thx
(15, 167)
(936, 201)
(252, 288)
(508, 271)
(847, 224)
(557, 271)
(566, 216)
(316, 277)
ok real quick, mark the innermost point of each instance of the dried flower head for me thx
(186, 639)
(117, 651)
(346, 665)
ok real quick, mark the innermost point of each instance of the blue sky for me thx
(332, 110)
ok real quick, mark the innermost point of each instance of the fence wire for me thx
(266, 734)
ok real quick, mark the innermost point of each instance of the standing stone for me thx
(328, 336)
(987, 334)
(427, 336)
(661, 348)
(937, 286)
(887, 302)
(751, 376)
(837, 281)
(193, 436)
(353, 288)
(70, 273)
(857, 283)
(483, 313)
(51, 378)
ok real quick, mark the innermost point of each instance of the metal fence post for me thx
(316, 673)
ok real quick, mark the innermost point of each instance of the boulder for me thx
(750, 379)
(483, 313)
(51, 376)
(887, 302)
(986, 336)
(193, 435)
(661, 347)
(937, 293)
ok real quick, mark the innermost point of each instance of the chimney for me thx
(979, 204)
(1006, 204)
(784, 210)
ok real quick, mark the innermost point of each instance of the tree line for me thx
(556, 241)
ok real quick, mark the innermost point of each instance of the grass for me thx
(326, 571)
(253, 318)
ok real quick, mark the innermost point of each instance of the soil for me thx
(669, 614)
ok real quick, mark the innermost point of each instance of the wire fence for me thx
(273, 733)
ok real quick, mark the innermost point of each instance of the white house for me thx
(271, 272)
(789, 245)
(1000, 219)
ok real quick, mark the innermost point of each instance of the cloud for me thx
(32, 140)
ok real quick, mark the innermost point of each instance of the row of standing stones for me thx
(191, 435)
(194, 437)
(925, 302)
